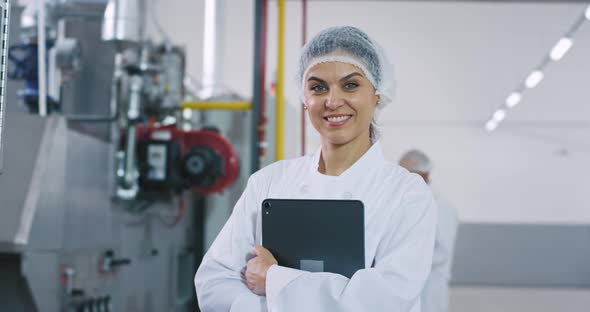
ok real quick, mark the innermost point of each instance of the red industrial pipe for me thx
(303, 39)
(263, 119)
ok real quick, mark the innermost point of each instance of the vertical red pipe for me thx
(303, 39)
(262, 124)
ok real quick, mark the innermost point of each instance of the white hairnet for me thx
(350, 45)
(416, 161)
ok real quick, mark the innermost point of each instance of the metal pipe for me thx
(133, 114)
(256, 91)
(41, 70)
(217, 105)
(280, 111)
(129, 180)
(116, 84)
(262, 119)
(213, 44)
(133, 111)
(54, 73)
(122, 22)
(5, 6)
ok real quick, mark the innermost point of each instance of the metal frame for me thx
(258, 86)
(4, 25)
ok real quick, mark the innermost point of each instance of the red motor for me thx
(170, 159)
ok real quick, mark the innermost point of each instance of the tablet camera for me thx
(267, 207)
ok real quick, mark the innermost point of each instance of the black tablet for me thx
(315, 235)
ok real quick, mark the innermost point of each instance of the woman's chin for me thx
(337, 138)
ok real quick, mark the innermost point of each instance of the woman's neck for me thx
(335, 159)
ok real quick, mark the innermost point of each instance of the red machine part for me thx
(196, 138)
(222, 147)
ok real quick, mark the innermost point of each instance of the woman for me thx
(344, 82)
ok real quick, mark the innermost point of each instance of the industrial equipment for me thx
(25, 56)
(111, 184)
(173, 160)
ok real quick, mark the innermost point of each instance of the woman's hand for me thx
(256, 270)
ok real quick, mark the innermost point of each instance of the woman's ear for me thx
(378, 100)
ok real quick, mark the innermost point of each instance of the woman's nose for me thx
(334, 100)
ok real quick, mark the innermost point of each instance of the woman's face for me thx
(340, 101)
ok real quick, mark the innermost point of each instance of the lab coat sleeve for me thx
(219, 281)
(393, 284)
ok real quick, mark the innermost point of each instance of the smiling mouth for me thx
(338, 118)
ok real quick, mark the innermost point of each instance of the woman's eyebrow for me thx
(341, 79)
(316, 79)
(350, 75)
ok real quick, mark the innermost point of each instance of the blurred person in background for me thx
(435, 296)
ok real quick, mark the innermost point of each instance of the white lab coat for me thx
(435, 297)
(400, 224)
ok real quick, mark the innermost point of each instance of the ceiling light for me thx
(513, 99)
(533, 79)
(499, 115)
(491, 126)
(561, 48)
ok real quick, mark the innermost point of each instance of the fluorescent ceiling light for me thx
(513, 99)
(533, 79)
(499, 115)
(588, 13)
(561, 48)
(491, 126)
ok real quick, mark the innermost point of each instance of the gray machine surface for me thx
(67, 243)
(64, 244)
(24, 134)
(521, 255)
(92, 81)
(74, 224)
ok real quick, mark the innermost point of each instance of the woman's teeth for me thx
(338, 119)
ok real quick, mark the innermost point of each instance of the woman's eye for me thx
(351, 85)
(318, 88)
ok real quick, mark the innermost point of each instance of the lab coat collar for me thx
(372, 159)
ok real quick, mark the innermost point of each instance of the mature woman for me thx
(344, 82)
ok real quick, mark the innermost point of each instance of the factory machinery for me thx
(107, 181)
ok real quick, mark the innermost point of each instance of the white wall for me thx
(455, 63)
